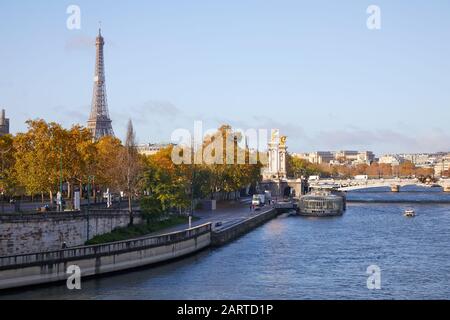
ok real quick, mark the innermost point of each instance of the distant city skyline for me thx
(313, 70)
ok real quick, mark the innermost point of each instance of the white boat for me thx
(409, 213)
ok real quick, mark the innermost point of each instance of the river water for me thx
(293, 257)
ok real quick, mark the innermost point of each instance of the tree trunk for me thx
(51, 198)
(69, 191)
(42, 197)
(94, 194)
(130, 209)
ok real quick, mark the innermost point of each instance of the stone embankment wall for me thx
(27, 233)
(45, 267)
(230, 233)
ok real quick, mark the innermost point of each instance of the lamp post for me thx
(60, 169)
(192, 197)
(90, 178)
(192, 183)
(59, 197)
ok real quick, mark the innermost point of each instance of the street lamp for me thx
(60, 169)
(59, 198)
(192, 197)
(192, 182)
(90, 179)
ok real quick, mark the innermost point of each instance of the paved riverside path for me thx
(228, 212)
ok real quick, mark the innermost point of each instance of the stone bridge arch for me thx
(285, 187)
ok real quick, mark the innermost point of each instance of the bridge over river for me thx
(357, 184)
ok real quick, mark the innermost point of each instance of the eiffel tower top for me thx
(99, 121)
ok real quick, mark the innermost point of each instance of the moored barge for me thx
(321, 204)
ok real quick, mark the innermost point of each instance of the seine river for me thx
(304, 258)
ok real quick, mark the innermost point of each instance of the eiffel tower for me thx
(99, 122)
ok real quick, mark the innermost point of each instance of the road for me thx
(228, 213)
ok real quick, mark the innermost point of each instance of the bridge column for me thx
(395, 188)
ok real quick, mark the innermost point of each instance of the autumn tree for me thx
(231, 169)
(37, 157)
(169, 185)
(166, 185)
(297, 168)
(373, 170)
(128, 169)
(105, 167)
(359, 169)
(8, 182)
(386, 170)
(407, 169)
(79, 155)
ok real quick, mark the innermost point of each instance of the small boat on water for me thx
(409, 213)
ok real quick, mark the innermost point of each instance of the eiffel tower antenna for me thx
(99, 122)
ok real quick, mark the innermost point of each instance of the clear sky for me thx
(311, 68)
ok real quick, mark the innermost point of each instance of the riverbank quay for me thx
(52, 266)
(47, 267)
(228, 233)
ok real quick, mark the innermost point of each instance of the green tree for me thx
(166, 184)
(297, 167)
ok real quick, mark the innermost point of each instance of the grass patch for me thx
(138, 230)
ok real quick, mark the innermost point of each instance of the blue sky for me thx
(310, 68)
